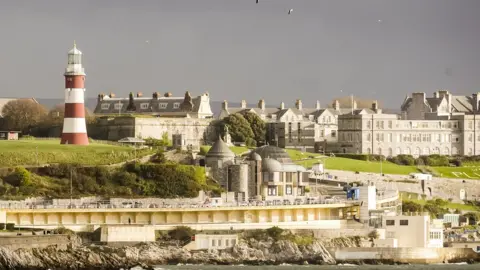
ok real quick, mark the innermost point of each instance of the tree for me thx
(56, 114)
(238, 128)
(22, 114)
(257, 125)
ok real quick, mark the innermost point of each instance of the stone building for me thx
(266, 173)
(444, 124)
(186, 120)
(302, 128)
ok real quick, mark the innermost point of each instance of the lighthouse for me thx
(74, 126)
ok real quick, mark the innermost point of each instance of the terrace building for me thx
(444, 124)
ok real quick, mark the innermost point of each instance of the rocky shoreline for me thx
(247, 252)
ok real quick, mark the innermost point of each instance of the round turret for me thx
(220, 150)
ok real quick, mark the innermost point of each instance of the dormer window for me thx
(144, 106)
(310, 117)
(176, 105)
(274, 117)
(117, 106)
(162, 105)
(105, 106)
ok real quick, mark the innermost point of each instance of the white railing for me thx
(135, 205)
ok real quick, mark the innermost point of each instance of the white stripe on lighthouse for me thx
(74, 125)
(74, 95)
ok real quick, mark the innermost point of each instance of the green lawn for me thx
(32, 152)
(467, 172)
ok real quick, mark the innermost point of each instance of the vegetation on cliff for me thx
(165, 180)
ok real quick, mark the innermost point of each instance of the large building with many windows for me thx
(308, 129)
(444, 124)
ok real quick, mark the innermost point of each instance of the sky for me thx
(236, 49)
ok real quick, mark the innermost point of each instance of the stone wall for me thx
(404, 255)
(35, 241)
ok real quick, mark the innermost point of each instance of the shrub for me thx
(275, 232)
(19, 177)
(182, 233)
(159, 157)
(434, 160)
(373, 235)
(406, 160)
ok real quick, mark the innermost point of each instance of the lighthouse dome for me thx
(74, 50)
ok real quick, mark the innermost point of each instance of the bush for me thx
(27, 137)
(275, 232)
(406, 160)
(159, 157)
(19, 177)
(182, 233)
(373, 235)
(434, 160)
(363, 157)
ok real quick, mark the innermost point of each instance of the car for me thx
(287, 202)
(260, 203)
(298, 201)
(153, 205)
(311, 201)
(268, 203)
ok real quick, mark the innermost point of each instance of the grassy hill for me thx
(33, 152)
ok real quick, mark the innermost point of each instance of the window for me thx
(272, 191)
(369, 124)
(162, 105)
(116, 106)
(390, 222)
(105, 106)
(144, 106)
(227, 242)
(288, 190)
(404, 222)
(390, 124)
(213, 242)
(176, 105)
(334, 133)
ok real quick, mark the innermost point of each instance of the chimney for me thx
(336, 105)
(282, 106)
(261, 104)
(448, 96)
(476, 101)
(156, 95)
(100, 97)
(354, 104)
(139, 94)
(168, 94)
(112, 95)
(224, 105)
(375, 107)
(298, 104)
(317, 106)
(243, 104)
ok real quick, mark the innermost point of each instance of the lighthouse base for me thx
(74, 138)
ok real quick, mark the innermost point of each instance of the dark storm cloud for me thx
(237, 49)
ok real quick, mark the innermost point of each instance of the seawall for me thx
(405, 255)
(35, 241)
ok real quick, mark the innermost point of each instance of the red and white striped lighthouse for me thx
(74, 127)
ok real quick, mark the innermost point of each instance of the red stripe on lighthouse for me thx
(74, 110)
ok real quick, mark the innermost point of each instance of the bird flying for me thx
(290, 11)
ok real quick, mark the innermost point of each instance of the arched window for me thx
(426, 151)
(446, 151)
(408, 151)
(390, 152)
(436, 151)
(417, 152)
(379, 151)
(398, 151)
(454, 151)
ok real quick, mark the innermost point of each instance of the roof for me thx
(131, 140)
(277, 153)
(74, 50)
(254, 156)
(220, 149)
(271, 165)
(150, 105)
